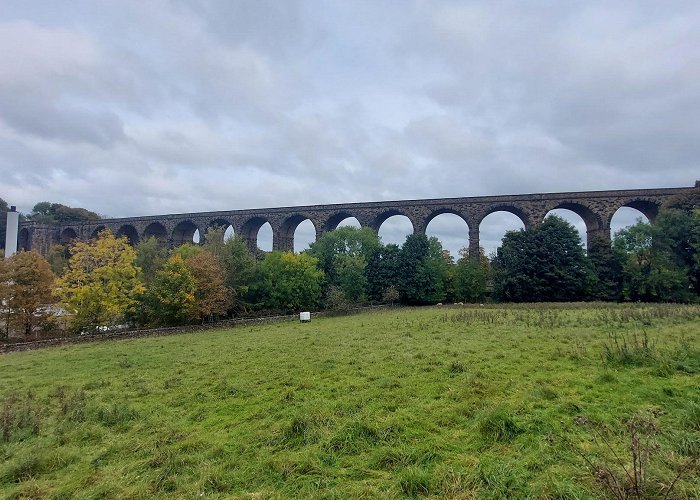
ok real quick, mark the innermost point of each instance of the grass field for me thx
(456, 402)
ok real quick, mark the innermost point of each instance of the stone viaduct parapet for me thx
(596, 208)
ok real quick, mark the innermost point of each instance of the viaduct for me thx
(596, 208)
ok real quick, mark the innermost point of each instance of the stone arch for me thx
(158, 231)
(184, 232)
(451, 243)
(284, 237)
(381, 217)
(649, 208)
(593, 221)
(97, 231)
(387, 232)
(130, 232)
(217, 223)
(596, 226)
(68, 235)
(624, 217)
(249, 231)
(23, 239)
(445, 210)
(572, 218)
(305, 235)
(513, 209)
(334, 220)
(487, 237)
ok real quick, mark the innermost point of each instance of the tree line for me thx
(96, 285)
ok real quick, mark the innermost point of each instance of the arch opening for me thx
(395, 229)
(341, 219)
(263, 237)
(97, 232)
(304, 235)
(591, 220)
(68, 235)
(158, 231)
(648, 209)
(130, 232)
(23, 239)
(218, 225)
(625, 217)
(575, 220)
(452, 231)
(250, 232)
(288, 230)
(494, 226)
(184, 232)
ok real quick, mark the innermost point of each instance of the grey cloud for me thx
(612, 90)
(70, 123)
(145, 107)
(269, 25)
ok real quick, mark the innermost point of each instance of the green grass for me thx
(484, 402)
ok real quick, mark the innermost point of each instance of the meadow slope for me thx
(462, 402)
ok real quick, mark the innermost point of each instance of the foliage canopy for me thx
(101, 285)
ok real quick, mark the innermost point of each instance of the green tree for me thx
(56, 213)
(382, 272)
(171, 298)
(547, 263)
(289, 282)
(150, 257)
(678, 235)
(27, 291)
(422, 270)
(101, 285)
(659, 259)
(187, 250)
(350, 277)
(607, 266)
(471, 276)
(343, 255)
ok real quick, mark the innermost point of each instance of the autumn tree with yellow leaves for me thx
(101, 285)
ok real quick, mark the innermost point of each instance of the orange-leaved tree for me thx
(26, 286)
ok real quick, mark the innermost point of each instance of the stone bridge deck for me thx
(596, 208)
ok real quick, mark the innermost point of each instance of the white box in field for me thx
(304, 317)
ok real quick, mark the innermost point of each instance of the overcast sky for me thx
(132, 107)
